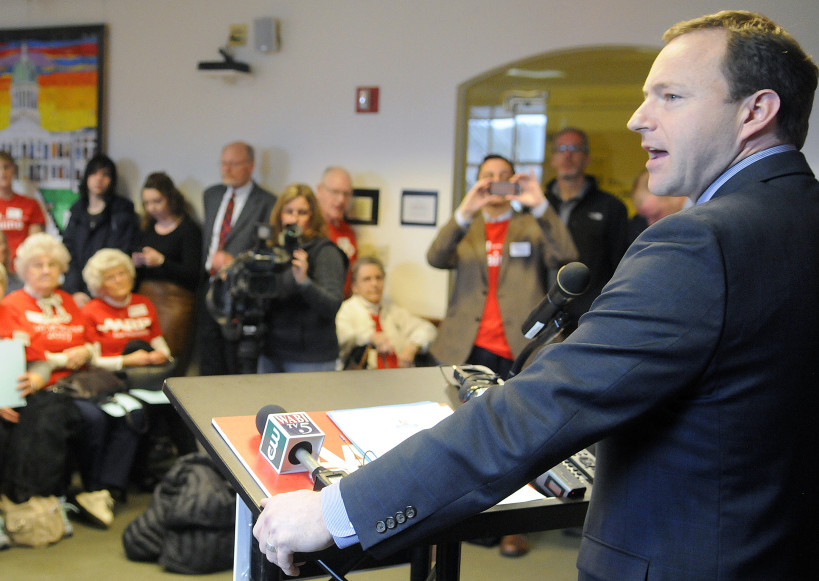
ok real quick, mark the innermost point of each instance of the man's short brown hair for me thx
(760, 54)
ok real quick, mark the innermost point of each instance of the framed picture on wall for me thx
(364, 207)
(419, 208)
(51, 103)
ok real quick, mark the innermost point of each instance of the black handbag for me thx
(357, 359)
(100, 386)
(94, 383)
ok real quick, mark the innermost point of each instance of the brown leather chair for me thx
(175, 306)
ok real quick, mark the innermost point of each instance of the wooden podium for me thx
(200, 399)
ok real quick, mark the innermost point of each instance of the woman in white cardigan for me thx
(378, 334)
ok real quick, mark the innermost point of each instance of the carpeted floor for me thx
(96, 555)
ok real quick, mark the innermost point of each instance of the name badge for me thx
(520, 249)
(138, 310)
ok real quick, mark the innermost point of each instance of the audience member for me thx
(127, 336)
(122, 325)
(374, 332)
(33, 379)
(19, 215)
(693, 365)
(502, 260)
(170, 243)
(301, 329)
(99, 219)
(652, 208)
(13, 281)
(168, 262)
(53, 329)
(334, 193)
(597, 220)
(637, 223)
(233, 209)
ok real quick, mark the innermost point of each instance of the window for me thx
(515, 130)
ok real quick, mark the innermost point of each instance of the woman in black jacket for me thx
(99, 219)
(301, 328)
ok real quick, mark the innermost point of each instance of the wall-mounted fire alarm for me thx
(366, 100)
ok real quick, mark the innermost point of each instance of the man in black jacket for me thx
(597, 220)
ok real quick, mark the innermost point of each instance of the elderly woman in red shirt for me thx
(122, 325)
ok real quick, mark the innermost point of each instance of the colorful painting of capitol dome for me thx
(50, 104)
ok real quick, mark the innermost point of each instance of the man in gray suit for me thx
(232, 211)
(692, 370)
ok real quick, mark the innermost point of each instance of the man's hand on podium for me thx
(291, 522)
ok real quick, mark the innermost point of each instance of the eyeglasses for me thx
(570, 148)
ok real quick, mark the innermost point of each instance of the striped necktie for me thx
(226, 221)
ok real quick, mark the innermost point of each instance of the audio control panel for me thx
(584, 462)
(569, 479)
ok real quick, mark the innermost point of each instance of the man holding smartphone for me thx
(501, 257)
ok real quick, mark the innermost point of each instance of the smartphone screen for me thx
(504, 189)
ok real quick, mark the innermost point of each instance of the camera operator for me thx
(300, 321)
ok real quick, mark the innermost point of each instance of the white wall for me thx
(298, 106)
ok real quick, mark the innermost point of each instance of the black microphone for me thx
(572, 281)
(288, 439)
(264, 411)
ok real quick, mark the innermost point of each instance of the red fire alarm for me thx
(366, 100)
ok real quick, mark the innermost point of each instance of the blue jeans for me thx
(268, 365)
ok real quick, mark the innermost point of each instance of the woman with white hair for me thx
(367, 320)
(122, 325)
(44, 316)
(50, 325)
(126, 335)
(30, 381)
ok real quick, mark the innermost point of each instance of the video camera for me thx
(239, 297)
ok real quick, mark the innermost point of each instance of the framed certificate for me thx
(419, 208)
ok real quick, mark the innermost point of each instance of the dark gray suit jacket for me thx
(242, 235)
(695, 367)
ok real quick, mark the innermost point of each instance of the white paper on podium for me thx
(12, 366)
(376, 430)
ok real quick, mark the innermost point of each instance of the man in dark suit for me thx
(692, 370)
(232, 211)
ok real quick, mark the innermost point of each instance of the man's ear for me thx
(760, 110)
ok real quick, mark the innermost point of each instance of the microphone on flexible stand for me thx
(572, 281)
(291, 443)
